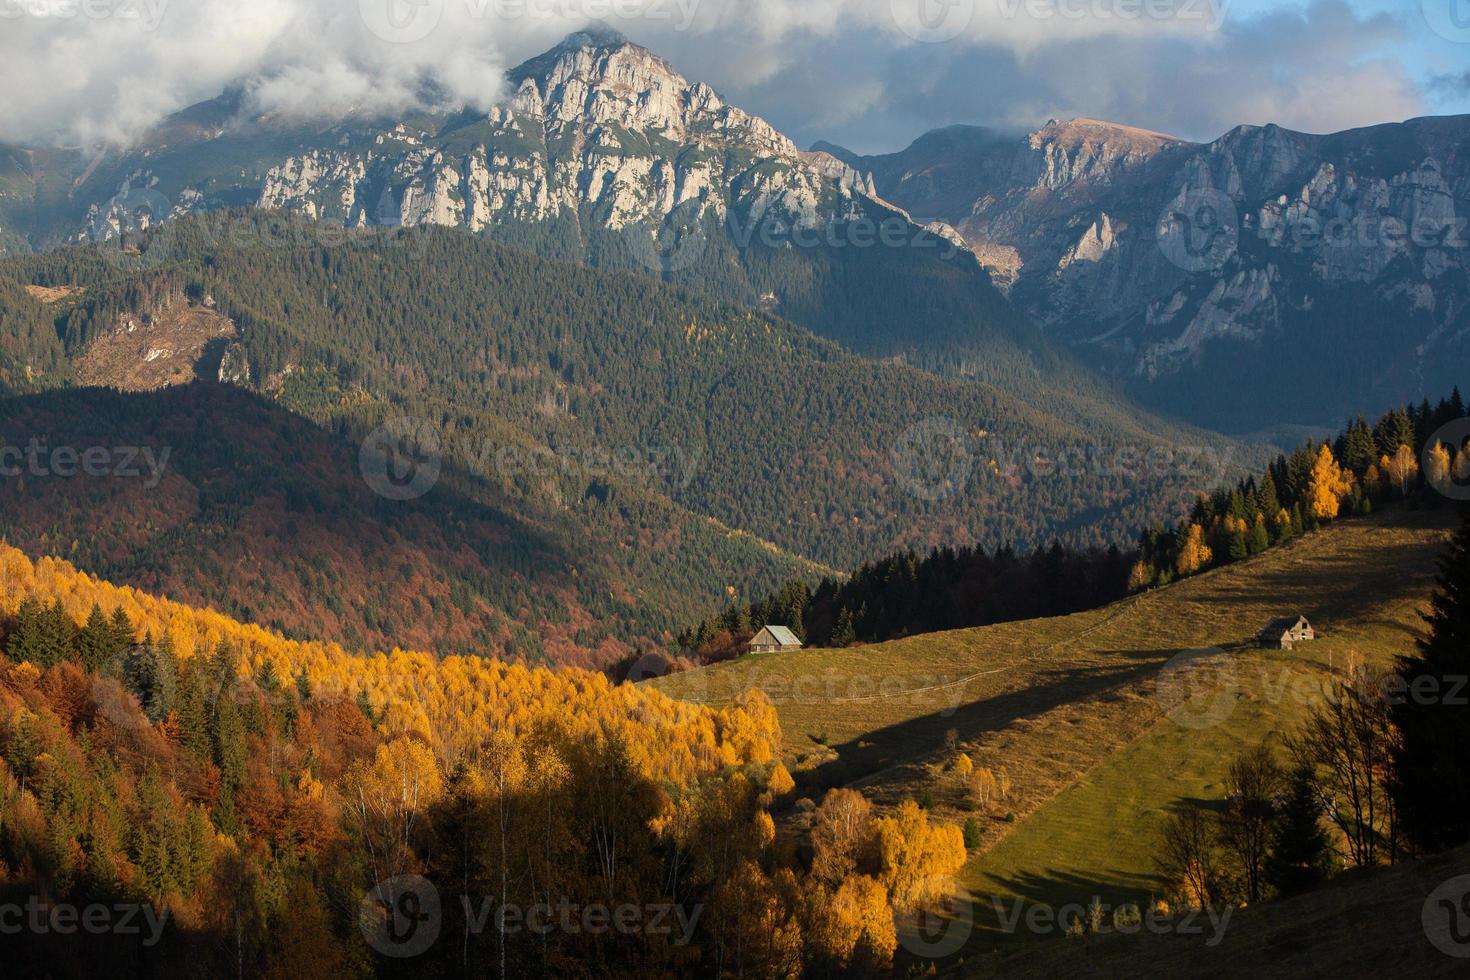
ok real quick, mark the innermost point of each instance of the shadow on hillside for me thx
(1333, 585)
(904, 742)
(1041, 905)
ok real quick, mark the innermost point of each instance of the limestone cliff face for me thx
(1158, 258)
(1158, 255)
(595, 127)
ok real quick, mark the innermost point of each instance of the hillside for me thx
(735, 415)
(235, 803)
(1072, 708)
(1362, 924)
(246, 507)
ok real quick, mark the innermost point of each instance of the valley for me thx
(485, 496)
(674, 431)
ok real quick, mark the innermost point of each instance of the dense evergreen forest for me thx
(612, 412)
(258, 512)
(905, 594)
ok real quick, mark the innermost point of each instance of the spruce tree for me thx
(1392, 431)
(1267, 499)
(1357, 447)
(1260, 538)
(58, 635)
(122, 634)
(843, 634)
(1431, 783)
(1301, 854)
(193, 709)
(26, 639)
(94, 642)
(1239, 547)
(152, 675)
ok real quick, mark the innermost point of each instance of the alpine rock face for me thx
(597, 125)
(598, 132)
(1255, 279)
(602, 153)
(1267, 277)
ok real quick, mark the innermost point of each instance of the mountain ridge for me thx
(1323, 242)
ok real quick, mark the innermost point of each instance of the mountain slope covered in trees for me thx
(238, 504)
(267, 807)
(613, 403)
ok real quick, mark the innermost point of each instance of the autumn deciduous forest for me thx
(267, 800)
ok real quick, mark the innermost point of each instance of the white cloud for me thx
(79, 71)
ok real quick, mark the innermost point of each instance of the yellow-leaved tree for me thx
(1194, 554)
(1329, 484)
(917, 861)
(1438, 469)
(841, 834)
(1401, 468)
(852, 929)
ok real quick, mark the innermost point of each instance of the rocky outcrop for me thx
(1159, 257)
(597, 129)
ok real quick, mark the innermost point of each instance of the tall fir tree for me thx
(123, 633)
(1431, 779)
(94, 642)
(1301, 854)
(26, 640)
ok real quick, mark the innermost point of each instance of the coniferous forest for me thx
(478, 506)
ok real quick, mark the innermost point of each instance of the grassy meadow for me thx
(1102, 720)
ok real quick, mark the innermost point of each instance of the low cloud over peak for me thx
(871, 74)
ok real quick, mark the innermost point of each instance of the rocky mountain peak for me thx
(598, 34)
(1116, 138)
(597, 77)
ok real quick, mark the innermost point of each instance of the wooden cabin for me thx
(772, 639)
(1284, 632)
